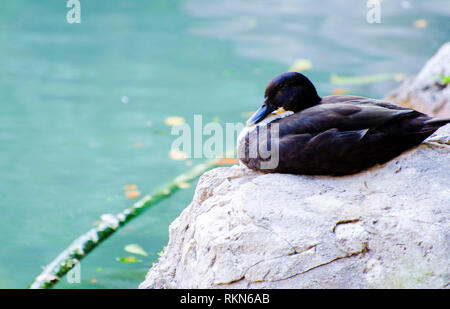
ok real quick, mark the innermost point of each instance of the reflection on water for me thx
(68, 136)
(334, 35)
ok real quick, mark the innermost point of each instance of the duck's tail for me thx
(429, 125)
(437, 122)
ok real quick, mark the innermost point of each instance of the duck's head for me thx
(287, 92)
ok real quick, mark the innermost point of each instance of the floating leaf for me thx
(300, 65)
(364, 79)
(174, 121)
(338, 91)
(132, 194)
(129, 259)
(130, 187)
(215, 119)
(229, 72)
(178, 155)
(420, 23)
(160, 253)
(93, 280)
(227, 161)
(136, 249)
(399, 77)
(99, 269)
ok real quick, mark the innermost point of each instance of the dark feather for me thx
(346, 136)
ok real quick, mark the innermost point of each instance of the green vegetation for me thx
(443, 80)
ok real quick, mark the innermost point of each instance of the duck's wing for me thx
(343, 138)
(346, 116)
(340, 99)
(332, 99)
(331, 152)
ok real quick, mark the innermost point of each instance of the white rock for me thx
(422, 91)
(387, 227)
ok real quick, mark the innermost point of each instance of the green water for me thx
(68, 140)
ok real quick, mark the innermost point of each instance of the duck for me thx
(303, 133)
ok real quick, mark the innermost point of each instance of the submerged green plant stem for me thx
(84, 244)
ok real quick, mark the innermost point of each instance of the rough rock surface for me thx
(425, 92)
(387, 227)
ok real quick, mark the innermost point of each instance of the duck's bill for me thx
(260, 114)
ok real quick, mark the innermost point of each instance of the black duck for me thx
(333, 135)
